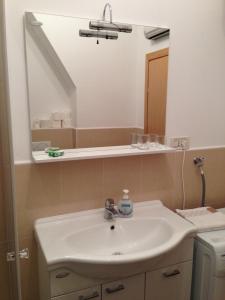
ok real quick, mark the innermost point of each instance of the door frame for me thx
(149, 57)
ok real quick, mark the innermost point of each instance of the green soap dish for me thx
(57, 153)
(51, 149)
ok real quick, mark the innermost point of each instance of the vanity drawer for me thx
(131, 288)
(171, 283)
(87, 294)
(64, 281)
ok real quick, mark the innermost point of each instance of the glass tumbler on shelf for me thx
(161, 141)
(153, 140)
(134, 140)
(143, 141)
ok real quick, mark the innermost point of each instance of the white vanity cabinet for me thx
(82, 256)
(170, 283)
(166, 277)
(132, 288)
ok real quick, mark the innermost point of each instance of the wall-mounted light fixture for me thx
(157, 33)
(109, 25)
(98, 34)
(103, 25)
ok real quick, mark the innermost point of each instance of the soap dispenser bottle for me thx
(125, 205)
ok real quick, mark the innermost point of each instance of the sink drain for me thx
(117, 253)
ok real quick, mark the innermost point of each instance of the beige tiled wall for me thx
(104, 137)
(67, 138)
(50, 189)
(63, 137)
(215, 178)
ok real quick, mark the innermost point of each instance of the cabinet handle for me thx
(94, 295)
(120, 287)
(171, 274)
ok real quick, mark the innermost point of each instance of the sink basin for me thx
(93, 246)
(130, 236)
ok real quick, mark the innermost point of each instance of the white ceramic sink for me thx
(130, 236)
(85, 239)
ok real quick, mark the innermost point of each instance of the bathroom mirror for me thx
(93, 90)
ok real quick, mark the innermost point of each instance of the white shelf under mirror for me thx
(99, 152)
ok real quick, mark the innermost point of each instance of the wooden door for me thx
(156, 91)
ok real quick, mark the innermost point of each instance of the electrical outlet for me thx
(181, 142)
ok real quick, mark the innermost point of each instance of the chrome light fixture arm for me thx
(104, 12)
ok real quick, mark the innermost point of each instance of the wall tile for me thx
(51, 189)
(103, 137)
(121, 173)
(38, 192)
(214, 169)
(160, 179)
(63, 137)
(82, 184)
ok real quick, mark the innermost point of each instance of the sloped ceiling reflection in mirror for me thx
(34, 27)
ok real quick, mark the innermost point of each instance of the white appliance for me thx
(209, 266)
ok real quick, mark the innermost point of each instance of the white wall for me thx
(46, 93)
(102, 73)
(196, 91)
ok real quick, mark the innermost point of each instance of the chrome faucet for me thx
(110, 210)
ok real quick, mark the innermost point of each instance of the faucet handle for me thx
(109, 203)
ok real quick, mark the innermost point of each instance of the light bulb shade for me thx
(103, 25)
(98, 34)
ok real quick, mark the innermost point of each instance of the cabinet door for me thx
(65, 281)
(131, 288)
(172, 283)
(87, 294)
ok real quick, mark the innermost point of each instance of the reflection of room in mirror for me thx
(156, 91)
(84, 94)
